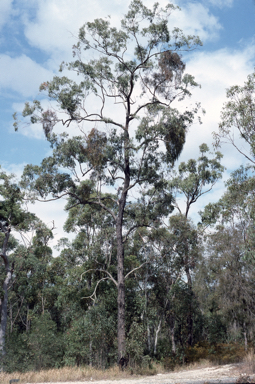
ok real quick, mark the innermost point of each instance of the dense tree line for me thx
(140, 280)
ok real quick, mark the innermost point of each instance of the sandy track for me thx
(219, 374)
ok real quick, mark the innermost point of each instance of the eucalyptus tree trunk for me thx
(4, 297)
(171, 323)
(245, 336)
(189, 281)
(120, 251)
(156, 336)
(190, 314)
(121, 290)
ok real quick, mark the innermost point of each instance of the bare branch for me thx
(94, 292)
(135, 269)
(101, 270)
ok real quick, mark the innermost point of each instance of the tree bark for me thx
(190, 314)
(121, 294)
(156, 336)
(172, 329)
(245, 337)
(4, 298)
(120, 252)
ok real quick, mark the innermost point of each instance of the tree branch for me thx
(135, 269)
(101, 270)
(94, 292)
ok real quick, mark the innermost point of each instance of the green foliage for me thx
(91, 339)
(217, 353)
(18, 356)
(45, 345)
(228, 272)
(238, 114)
(215, 328)
(136, 343)
(11, 211)
(193, 177)
(38, 349)
(113, 74)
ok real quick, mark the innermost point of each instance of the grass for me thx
(249, 362)
(218, 354)
(78, 374)
(87, 373)
(203, 363)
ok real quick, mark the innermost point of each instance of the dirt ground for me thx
(220, 374)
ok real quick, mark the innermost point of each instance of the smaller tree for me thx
(236, 207)
(230, 250)
(12, 217)
(193, 179)
(44, 344)
(225, 285)
(91, 338)
(238, 114)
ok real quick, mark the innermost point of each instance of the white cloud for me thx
(196, 19)
(56, 24)
(208, 3)
(5, 11)
(216, 71)
(221, 3)
(21, 74)
(34, 131)
(52, 213)
(55, 28)
(15, 169)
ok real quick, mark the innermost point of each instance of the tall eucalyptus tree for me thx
(129, 132)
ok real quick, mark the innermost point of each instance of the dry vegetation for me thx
(78, 374)
(249, 361)
(87, 373)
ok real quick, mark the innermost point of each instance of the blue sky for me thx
(37, 35)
